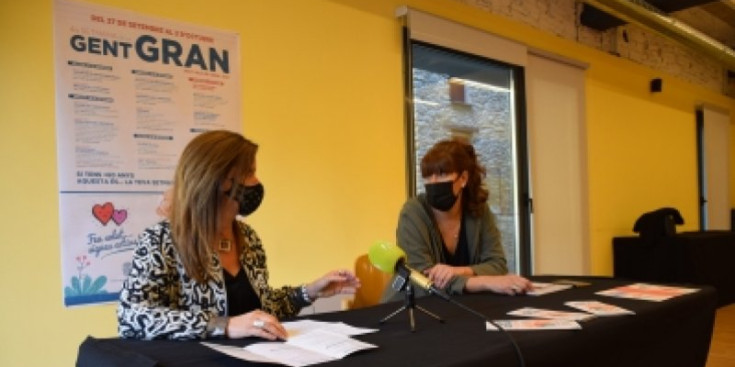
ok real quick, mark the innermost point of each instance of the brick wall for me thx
(630, 41)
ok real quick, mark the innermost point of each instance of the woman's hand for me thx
(510, 284)
(332, 283)
(442, 274)
(256, 323)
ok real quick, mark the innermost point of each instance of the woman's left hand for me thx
(332, 283)
(442, 274)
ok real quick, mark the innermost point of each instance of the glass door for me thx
(457, 95)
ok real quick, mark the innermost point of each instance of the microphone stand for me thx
(409, 305)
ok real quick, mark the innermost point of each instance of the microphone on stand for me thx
(390, 258)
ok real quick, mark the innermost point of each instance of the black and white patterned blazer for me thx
(159, 300)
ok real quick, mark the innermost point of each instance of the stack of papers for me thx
(541, 320)
(534, 324)
(309, 342)
(647, 292)
(599, 308)
(540, 313)
(544, 288)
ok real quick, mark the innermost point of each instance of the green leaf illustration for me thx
(69, 292)
(85, 284)
(97, 285)
(75, 285)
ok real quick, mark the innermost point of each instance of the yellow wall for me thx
(322, 94)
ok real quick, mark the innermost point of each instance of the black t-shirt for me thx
(461, 255)
(241, 297)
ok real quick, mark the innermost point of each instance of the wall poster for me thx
(131, 91)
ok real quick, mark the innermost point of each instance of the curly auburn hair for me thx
(456, 156)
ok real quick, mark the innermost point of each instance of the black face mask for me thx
(249, 197)
(440, 195)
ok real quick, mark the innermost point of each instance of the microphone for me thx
(389, 258)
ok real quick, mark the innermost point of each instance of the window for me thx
(455, 94)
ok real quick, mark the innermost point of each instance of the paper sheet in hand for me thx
(316, 346)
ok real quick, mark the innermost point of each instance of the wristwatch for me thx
(305, 295)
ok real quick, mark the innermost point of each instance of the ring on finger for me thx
(259, 324)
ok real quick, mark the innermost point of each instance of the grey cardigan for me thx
(419, 237)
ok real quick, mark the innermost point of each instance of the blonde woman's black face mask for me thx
(249, 197)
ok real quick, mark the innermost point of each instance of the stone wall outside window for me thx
(486, 117)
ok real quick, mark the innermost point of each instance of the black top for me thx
(461, 255)
(241, 297)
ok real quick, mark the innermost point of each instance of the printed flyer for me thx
(131, 91)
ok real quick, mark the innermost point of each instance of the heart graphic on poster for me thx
(103, 212)
(119, 216)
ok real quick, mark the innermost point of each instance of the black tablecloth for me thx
(688, 257)
(676, 332)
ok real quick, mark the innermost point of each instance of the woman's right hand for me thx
(256, 323)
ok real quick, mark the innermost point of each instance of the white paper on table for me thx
(328, 343)
(294, 328)
(238, 352)
(551, 314)
(599, 308)
(534, 324)
(287, 354)
(544, 288)
(647, 292)
(315, 346)
(344, 329)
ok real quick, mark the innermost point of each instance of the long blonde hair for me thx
(205, 163)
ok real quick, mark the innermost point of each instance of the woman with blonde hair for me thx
(202, 272)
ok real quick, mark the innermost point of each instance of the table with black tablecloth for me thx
(706, 257)
(671, 333)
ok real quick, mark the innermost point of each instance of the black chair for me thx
(658, 223)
